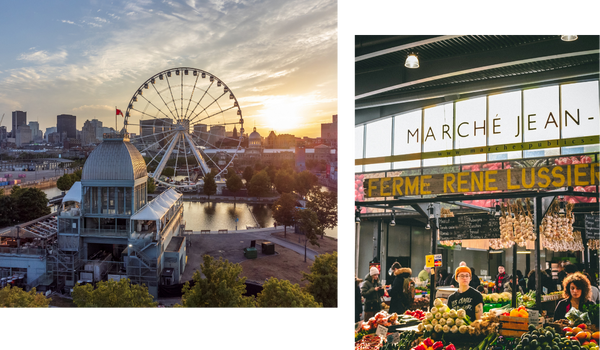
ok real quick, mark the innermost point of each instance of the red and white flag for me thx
(119, 112)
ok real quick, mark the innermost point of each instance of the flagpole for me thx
(116, 128)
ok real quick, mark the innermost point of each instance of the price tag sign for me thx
(381, 331)
(396, 338)
(429, 261)
(534, 317)
(437, 260)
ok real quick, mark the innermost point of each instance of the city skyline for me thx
(86, 59)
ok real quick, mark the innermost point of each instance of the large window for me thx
(120, 201)
(112, 200)
(378, 143)
(127, 193)
(515, 123)
(94, 199)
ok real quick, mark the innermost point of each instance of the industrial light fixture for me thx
(393, 222)
(430, 211)
(568, 37)
(428, 227)
(357, 214)
(496, 251)
(412, 61)
(523, 252)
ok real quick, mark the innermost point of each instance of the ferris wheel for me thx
(188, 123)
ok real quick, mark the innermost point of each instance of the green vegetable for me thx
(490, 339)
(593, 311)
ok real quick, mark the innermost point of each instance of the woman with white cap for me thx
(372, 291)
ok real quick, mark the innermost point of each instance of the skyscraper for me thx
(19, 118)
(66, 123)
(35, 127)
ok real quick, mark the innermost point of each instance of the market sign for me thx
(591, 227)
(480, 226)
(434, 260)
(548, 177)
(554, 116)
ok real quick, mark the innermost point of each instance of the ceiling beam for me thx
(387, 79)
(405, 47)
(479, 87)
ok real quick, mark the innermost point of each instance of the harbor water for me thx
(220, 216)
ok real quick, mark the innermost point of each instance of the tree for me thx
(113, 294)
(234, 184)
(324, 204)
(76, 176)
(17, 297)
(247, 174)
(284, 181)
(151, 185)
(271, 171)
(322, 279)
(308, 223)
(222, 286)
(210, 186)
(7, 217)
(305, 181)
(167, 172)
(260, 184)
(30, 203)
(65, 182)
(283, 210)
(282, 293)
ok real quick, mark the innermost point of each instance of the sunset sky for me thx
(84, 58)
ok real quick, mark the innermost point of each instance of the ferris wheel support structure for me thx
(186, 110)
(161, 165)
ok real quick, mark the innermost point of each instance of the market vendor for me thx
(500, 279)
(466, 297)
(576, 293)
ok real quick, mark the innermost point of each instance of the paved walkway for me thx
(230, 246)
(265, 234)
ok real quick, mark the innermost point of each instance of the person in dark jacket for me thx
(372, 291)
(358, 309)
(508, 286)
(546, 281)
(442, 277)
(531, 281)
(521, 280)
(475, 282)
(390, 278)
(576, 293)
(400, 301)
(500, 280)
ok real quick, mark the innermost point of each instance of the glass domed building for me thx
(117, 233)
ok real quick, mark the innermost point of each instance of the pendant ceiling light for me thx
(412, 61)
(568, 37)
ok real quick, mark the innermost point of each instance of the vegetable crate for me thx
(513, 326)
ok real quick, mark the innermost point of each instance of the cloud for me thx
(44, 57)
(10, 103)
(93, 107)
(272, 47)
